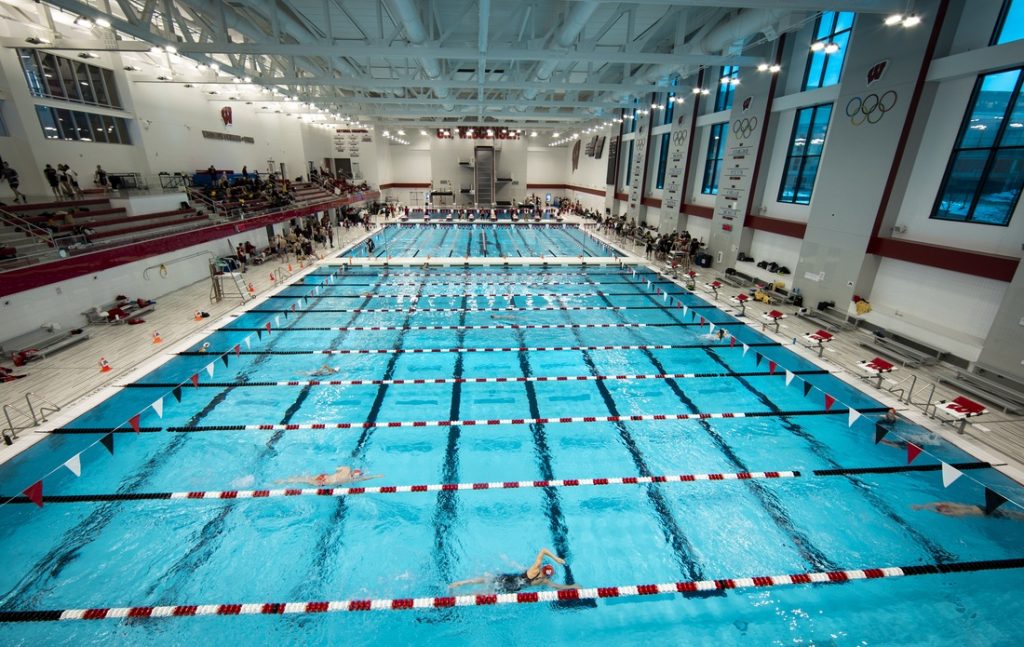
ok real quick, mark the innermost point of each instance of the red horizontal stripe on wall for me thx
(989, 266)
(789, 228)
(697, 210)
(35, 276)
(621, 196)
(651, 202)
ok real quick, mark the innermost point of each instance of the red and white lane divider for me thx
(503, 309)
(645, 417)
(395, 351)
(483, 380)
(520, 283)
(489, 599)
(494, 485)
(503, 295)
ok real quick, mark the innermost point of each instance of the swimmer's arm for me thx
(542, 553)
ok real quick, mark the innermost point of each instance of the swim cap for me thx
(547, 570)
(357, 472)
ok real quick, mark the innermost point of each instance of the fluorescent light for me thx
(735, 81)
(102, 22)
(894, 19)
(696, 90)
(817, 46)
(774, 68)
(831, 48)
(534, 133)
(912, 20)
(763, 67)
(170, 49)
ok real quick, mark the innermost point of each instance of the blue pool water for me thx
(99, 553)
(483, 240)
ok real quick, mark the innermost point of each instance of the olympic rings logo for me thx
(679, 136)
(871, 108)
(743, 128)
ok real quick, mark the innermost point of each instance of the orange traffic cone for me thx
(156, 337)
(289, 267)
(198, 316)
(104, 366)
(252, 290)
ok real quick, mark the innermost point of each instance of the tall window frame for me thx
(50, 76)
(1010, 25)
(629, 162)
(714, 158)
(662, 160)
(985, 173)
(727, 87)
(77, 126)
(824, 69)
(803, 157)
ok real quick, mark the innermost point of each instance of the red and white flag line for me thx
(481, 327)
(479, 380)
(495, 295)
(397, 351)
(490, 599)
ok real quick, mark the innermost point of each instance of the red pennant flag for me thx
(702, 321)
(771, 367)
(679, 304)
(268, 327)
(238, 349)
(912, 452)
(992, 500)
(134, 422)
(195, 380)
(34, 493)
(732, 341)
(293, 307)
(829, 401)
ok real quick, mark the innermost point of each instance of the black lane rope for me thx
(769, 502)
(390, 351)
(822, 450)
(328, 493)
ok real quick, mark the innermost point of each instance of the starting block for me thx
(773, 318)
(740, 300)
(959, 409)
(818, 340)
(690, 279)
(713, 288)
(875, 369)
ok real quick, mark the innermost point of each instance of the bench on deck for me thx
(45, 340)
(905, 351)
(119, 311)
(991, 387)
(828, 317)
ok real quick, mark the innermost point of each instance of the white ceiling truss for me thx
(522, 63)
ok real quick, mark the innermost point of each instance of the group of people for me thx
(302, 236)
(63, 181)
(336, 184)
(247, 187)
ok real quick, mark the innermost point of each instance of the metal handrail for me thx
(43, 410)
(44, 235)
(12, 428)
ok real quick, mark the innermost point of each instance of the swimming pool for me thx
(507, 376)
(443, 240)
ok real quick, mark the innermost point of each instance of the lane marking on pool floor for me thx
(646, 417)
(490, 599)
(502, 309)
(271, 493)
(479, 380)
(394, 351)
(495, 295)
(682, 324)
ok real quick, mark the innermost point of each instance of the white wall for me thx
(951, 310)
(767, 246)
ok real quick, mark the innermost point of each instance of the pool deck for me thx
(72, 378)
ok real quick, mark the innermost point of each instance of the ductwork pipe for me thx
(745, 24)
(574, 23)
(416, 32)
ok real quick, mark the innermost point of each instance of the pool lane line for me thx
(503, 309)
(451, 486)
(673, 534)
(473, 283)
(771, 505)
(496, 349)
(494, 295)
(478, 380)
(478, 422)
(845, 576)
(557, 524)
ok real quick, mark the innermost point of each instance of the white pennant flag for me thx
(711, 327)
(74, 464)
(248, 344)
(745, 349)
(685, 309)
(664, 296)
(158, 406)
(209, 368)
(789, 377)
(853, 417)
(949, 474)
(277, 321)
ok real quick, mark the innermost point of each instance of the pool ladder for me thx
(36, 413)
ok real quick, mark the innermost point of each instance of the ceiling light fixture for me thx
(912, 20)
(894, 19)
(817, 46)
(831, 48)
(102, 22)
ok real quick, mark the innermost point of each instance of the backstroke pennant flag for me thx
(134, 422)
(993, 500)
(853, 417)
(746, 347)
(34, 493)
(880, 432)
(224, 358)
(238, 349)
(210, 367)
(771, 367)
(950, 474)
(108, 442)
(912, 452)
(195, 380)
(74, 464)
(829, 401)
(807, 388)
(789, 377)
(158, 406)
(248, 343)
(176, 392)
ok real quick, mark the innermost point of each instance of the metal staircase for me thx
(484, 176)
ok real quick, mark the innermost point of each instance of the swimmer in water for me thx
(721, 333)
(966, 510)
(323, 371)
(537, 575)
(205, 347)
(343, 474)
